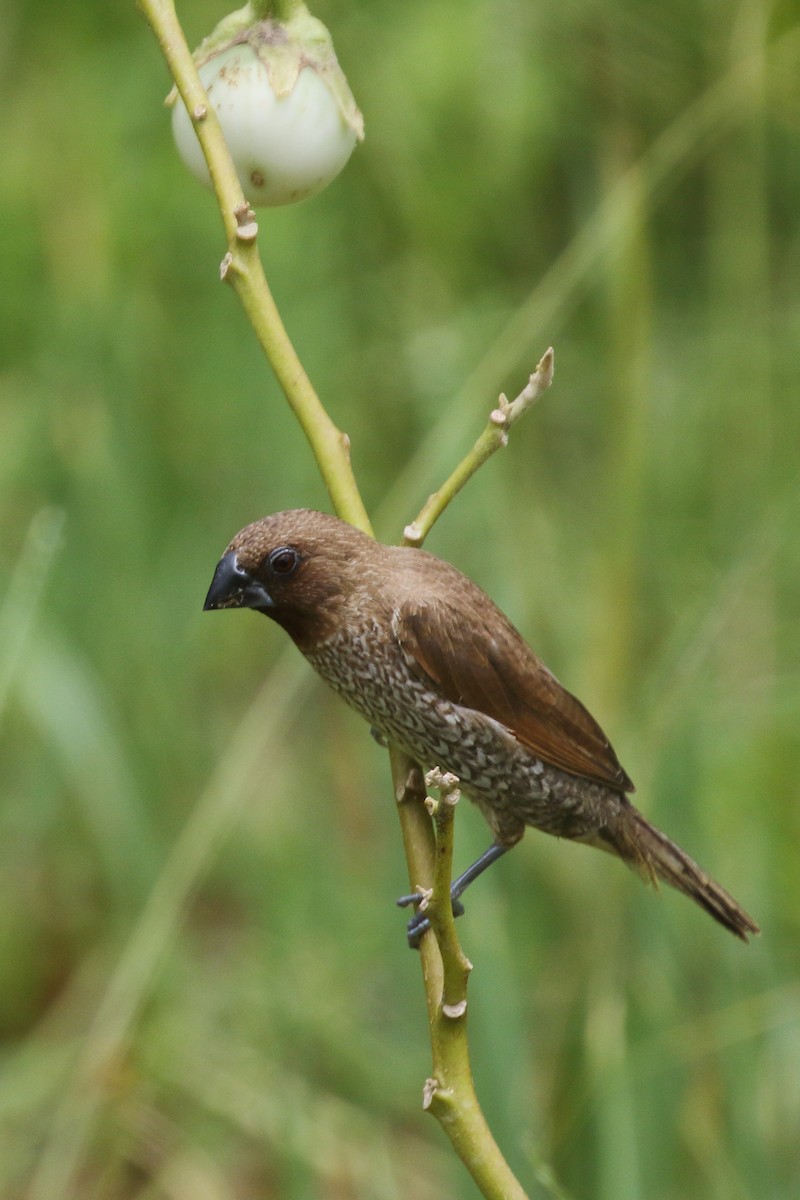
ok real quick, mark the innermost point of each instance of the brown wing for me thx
(494, 671)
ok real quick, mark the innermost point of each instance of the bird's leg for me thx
(420, 923)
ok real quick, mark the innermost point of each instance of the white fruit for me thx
(285, 148)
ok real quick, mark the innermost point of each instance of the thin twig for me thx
(493, 438)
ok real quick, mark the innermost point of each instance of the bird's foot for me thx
(419, 923)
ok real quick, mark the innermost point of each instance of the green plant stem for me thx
(440, 909)
(278, 10)
(330, 446)
(242, 269)
(449, 1093)
(493, 438)
(452, 1098)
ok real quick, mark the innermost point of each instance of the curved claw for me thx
(420, 923)
(415, 929)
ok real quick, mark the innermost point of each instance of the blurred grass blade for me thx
(24, 593)
(112, 1028)
(67, 704)
(723, 105)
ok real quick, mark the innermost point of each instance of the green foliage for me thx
(203, 871)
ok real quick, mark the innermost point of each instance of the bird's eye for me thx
(283, 561)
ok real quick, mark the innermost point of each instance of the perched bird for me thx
(437, 669)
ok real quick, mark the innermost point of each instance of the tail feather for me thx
(655, 857)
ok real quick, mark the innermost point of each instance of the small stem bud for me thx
(428, 1092)
(454, 1011)
(246, 226)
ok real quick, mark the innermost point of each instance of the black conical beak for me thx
(233, 587)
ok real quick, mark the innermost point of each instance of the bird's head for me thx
(296, 567)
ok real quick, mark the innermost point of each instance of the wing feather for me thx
(493, 670)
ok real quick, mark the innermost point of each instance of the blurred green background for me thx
(205, 992)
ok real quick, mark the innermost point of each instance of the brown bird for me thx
(436, 668)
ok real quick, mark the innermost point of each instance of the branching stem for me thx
(450, 1093)
(493, 438)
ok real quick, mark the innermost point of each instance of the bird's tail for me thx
(655, 857)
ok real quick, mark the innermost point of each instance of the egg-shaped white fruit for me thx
(284, 148)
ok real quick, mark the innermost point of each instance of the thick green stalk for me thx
(450, 1095)
(278, 10)
(242, 269)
